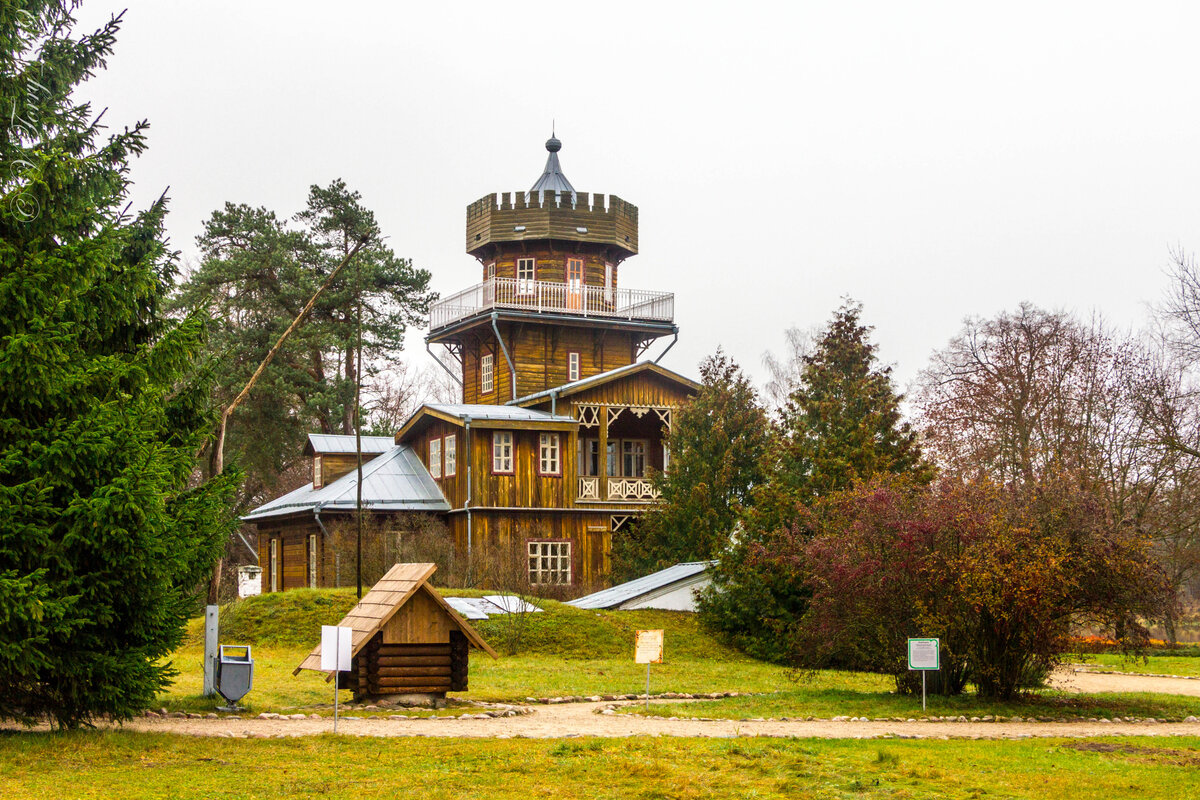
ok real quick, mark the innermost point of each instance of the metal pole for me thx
(647, 685)
(923, 689)
(337, 651)
(210, 650)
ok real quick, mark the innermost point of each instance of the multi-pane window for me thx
(589, 456)
(485, 374)
(435, 457)
(451, 455)
(666, 457)
(572, 366)
(549, 562)
(633, 458)
(312, 561)
(526, 275)
(608, 283)
(317, 482)
(502, 451)
(548, 460)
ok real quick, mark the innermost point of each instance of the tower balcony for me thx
(553, 299)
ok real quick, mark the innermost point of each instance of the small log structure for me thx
(407, 639)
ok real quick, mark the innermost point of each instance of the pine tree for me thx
(104, 536)
(717, 442)
(257, 271)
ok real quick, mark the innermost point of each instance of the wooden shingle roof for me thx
(382, 602)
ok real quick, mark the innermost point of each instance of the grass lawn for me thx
(819, 700)
(125, 765)
(568, 651)
(1160, 665)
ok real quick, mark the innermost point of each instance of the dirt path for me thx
(1070, 680)
(581, 719)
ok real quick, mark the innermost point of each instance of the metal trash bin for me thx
(235, 674)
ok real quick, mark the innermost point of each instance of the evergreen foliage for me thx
(256, 274)
(717, 443)
(841, 423)
(104, 537)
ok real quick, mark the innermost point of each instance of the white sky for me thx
(933, 160)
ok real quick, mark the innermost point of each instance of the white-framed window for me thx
(435, 457)
(312, 561)
(526, 275)
(485, 373)
(451, 455)
(273, 563)
(317, 482)
(548, 454)
(549, 562)
(489, 271)
(589, 457)
(666, 457)
(502, 452)
(608, 283)
(612, 459)
(572, 366)
(633, 458)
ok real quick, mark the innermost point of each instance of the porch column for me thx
(602, 480)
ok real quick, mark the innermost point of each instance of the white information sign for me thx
(336, 644)
(923, 654)
(648, 647)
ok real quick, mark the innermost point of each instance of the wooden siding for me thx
(540, 356)
(335, 465)
(492, 220)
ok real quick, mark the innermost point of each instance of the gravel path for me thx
(583, 719)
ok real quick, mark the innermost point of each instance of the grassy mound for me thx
(294, 619)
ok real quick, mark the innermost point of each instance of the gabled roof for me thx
(394, 481)
(583, 384)
(341, 443)
(382, 602)
(639, 587)
(491, 417)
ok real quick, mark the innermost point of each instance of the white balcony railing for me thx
(594, 488)
(545, 297)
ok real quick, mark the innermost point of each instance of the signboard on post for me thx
(923, 655)
(648, 649)
(337, 644)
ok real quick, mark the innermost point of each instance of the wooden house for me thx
(407, 640)
(550, 453)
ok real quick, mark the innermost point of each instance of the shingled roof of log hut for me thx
(382, 602)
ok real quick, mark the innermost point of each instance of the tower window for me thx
(608, 283)
(485, 374)
(502, 452)
(526, 276)
(548, 455)
(317, 477)
(572, 366)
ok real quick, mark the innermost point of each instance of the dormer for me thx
(333, 455)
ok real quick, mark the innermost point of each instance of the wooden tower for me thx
(549, 309)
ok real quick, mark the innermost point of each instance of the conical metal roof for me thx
(552, 179)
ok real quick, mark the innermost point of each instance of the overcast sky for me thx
(933, 160)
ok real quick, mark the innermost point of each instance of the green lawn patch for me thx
(129, 766)
(1160, 665)
(819, 699)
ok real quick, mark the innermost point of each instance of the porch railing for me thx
(547, 297)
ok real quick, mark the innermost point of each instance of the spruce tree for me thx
(841, 424)
(717, 442)
(104, 534)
